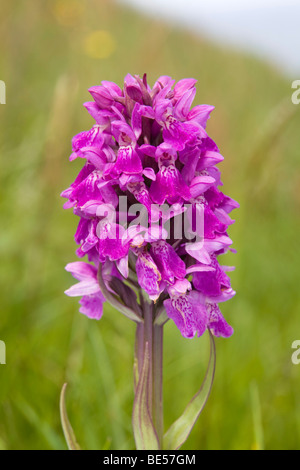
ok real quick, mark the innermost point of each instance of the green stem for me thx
(153, 335)
(158, 381)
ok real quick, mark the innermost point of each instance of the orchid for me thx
(150, 148)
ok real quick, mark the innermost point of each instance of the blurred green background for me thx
(51, 53)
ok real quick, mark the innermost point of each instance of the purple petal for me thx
(162, 92)
(138, 112)
(155, 232)
(217, 323)
(168, 262)
(149, 150)
(141, 194)
(91, 240)
(188, 315)
(220, 242)
(88, 189)
(200, 114)
(209, 158)
(92, 305)
(179, 287)
(182, 86)
(111, 244)
(183, 105)
(148, 274)
(169, 185)
(102, 96)
(82, 175)
(149, 173)
(225, 294)
(211, 283)
(123, 133)
(122, 265)
(198, 251)
(92, 138)
(229, 204)
(128, 161)
(103, 117)
(83, 288)
(199, 267)
(200, 184)
(179, 134)
(134, 91)
(223, 217)
(95, 156)
(212, 224)
(81, 271)
(114, 89)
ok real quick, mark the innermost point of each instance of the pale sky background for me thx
(268, 28)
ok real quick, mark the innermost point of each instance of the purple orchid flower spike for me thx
(152, 224)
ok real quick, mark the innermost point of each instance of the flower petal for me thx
(148, 274)
(168, 262)
(189, 316)
(81, 271)
(217, 323)
(83, 288)
(92, 305)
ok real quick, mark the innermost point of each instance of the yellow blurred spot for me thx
(99, 44)
(68, 12)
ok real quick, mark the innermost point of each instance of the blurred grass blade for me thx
(111, 394)
(67, 428)
(144, 432)
(39, 424)
(179, 431)
(257, 418)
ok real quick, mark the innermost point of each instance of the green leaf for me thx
(67, 428)
(179, 431)
(144, 432)
(135, 373)
(112, 299)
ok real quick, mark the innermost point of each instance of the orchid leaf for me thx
(67, 428)
(126, 294)
(128, 312)
(144, 432)
(135, 373)
(179, 431)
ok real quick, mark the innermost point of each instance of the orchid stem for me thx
(158, 381)
(148, 332)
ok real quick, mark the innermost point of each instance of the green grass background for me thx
(255, 398)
